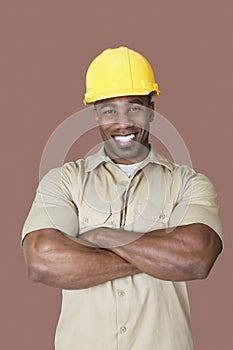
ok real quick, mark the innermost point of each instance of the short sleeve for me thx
(53, 206)
(196, 201)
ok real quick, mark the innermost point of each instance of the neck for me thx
(126, 161)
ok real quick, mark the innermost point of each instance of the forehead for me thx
(125, 99)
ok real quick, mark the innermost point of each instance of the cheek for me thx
(145, 125)
(104, 131)
(143, 121)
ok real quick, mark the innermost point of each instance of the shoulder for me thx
(61, 180)
(67, 170)
(190, 178)
(183, 177)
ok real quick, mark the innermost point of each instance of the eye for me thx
(109, 111)
(134, 108)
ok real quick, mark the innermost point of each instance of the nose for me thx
(122, 119)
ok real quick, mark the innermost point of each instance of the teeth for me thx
(125, 138)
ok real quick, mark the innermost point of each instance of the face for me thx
(124, 126)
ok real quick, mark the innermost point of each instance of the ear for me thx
(151, 112)
(96, 115)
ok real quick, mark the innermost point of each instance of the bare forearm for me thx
(56, 260)
(162, 257)
(185, 254)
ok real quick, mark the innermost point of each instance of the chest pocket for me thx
(93, 209)
(144, 217)
(150, 205)
(93, 217)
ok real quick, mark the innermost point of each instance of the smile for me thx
(124, 139)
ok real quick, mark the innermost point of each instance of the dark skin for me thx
(124, 117)
(103, 254)
(55, 259)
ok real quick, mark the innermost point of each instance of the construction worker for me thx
(122, 230)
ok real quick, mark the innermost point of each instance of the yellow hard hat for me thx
(119, 72)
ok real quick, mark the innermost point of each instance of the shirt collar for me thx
(93, 161)
(157, 158)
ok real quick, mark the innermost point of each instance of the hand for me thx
(109, 238)
(80, 239)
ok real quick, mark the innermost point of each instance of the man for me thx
(122, 230)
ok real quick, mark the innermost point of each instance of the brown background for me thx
(45, 49)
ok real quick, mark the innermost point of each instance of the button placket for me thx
(121, 304)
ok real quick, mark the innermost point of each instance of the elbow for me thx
(35, 260)
(33, 274)
(36, 272)
(202, 268)
(36, 267)
(201, 271)
(206, 256)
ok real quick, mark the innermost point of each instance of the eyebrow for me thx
(107, 104)
(136, 101)
(114, 104)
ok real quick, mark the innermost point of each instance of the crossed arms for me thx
(186, 253)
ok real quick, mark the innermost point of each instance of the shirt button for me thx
(120, 293)
(122, 330)
(162, 216)
(85, 219)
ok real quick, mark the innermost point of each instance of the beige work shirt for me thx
(138, 312)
